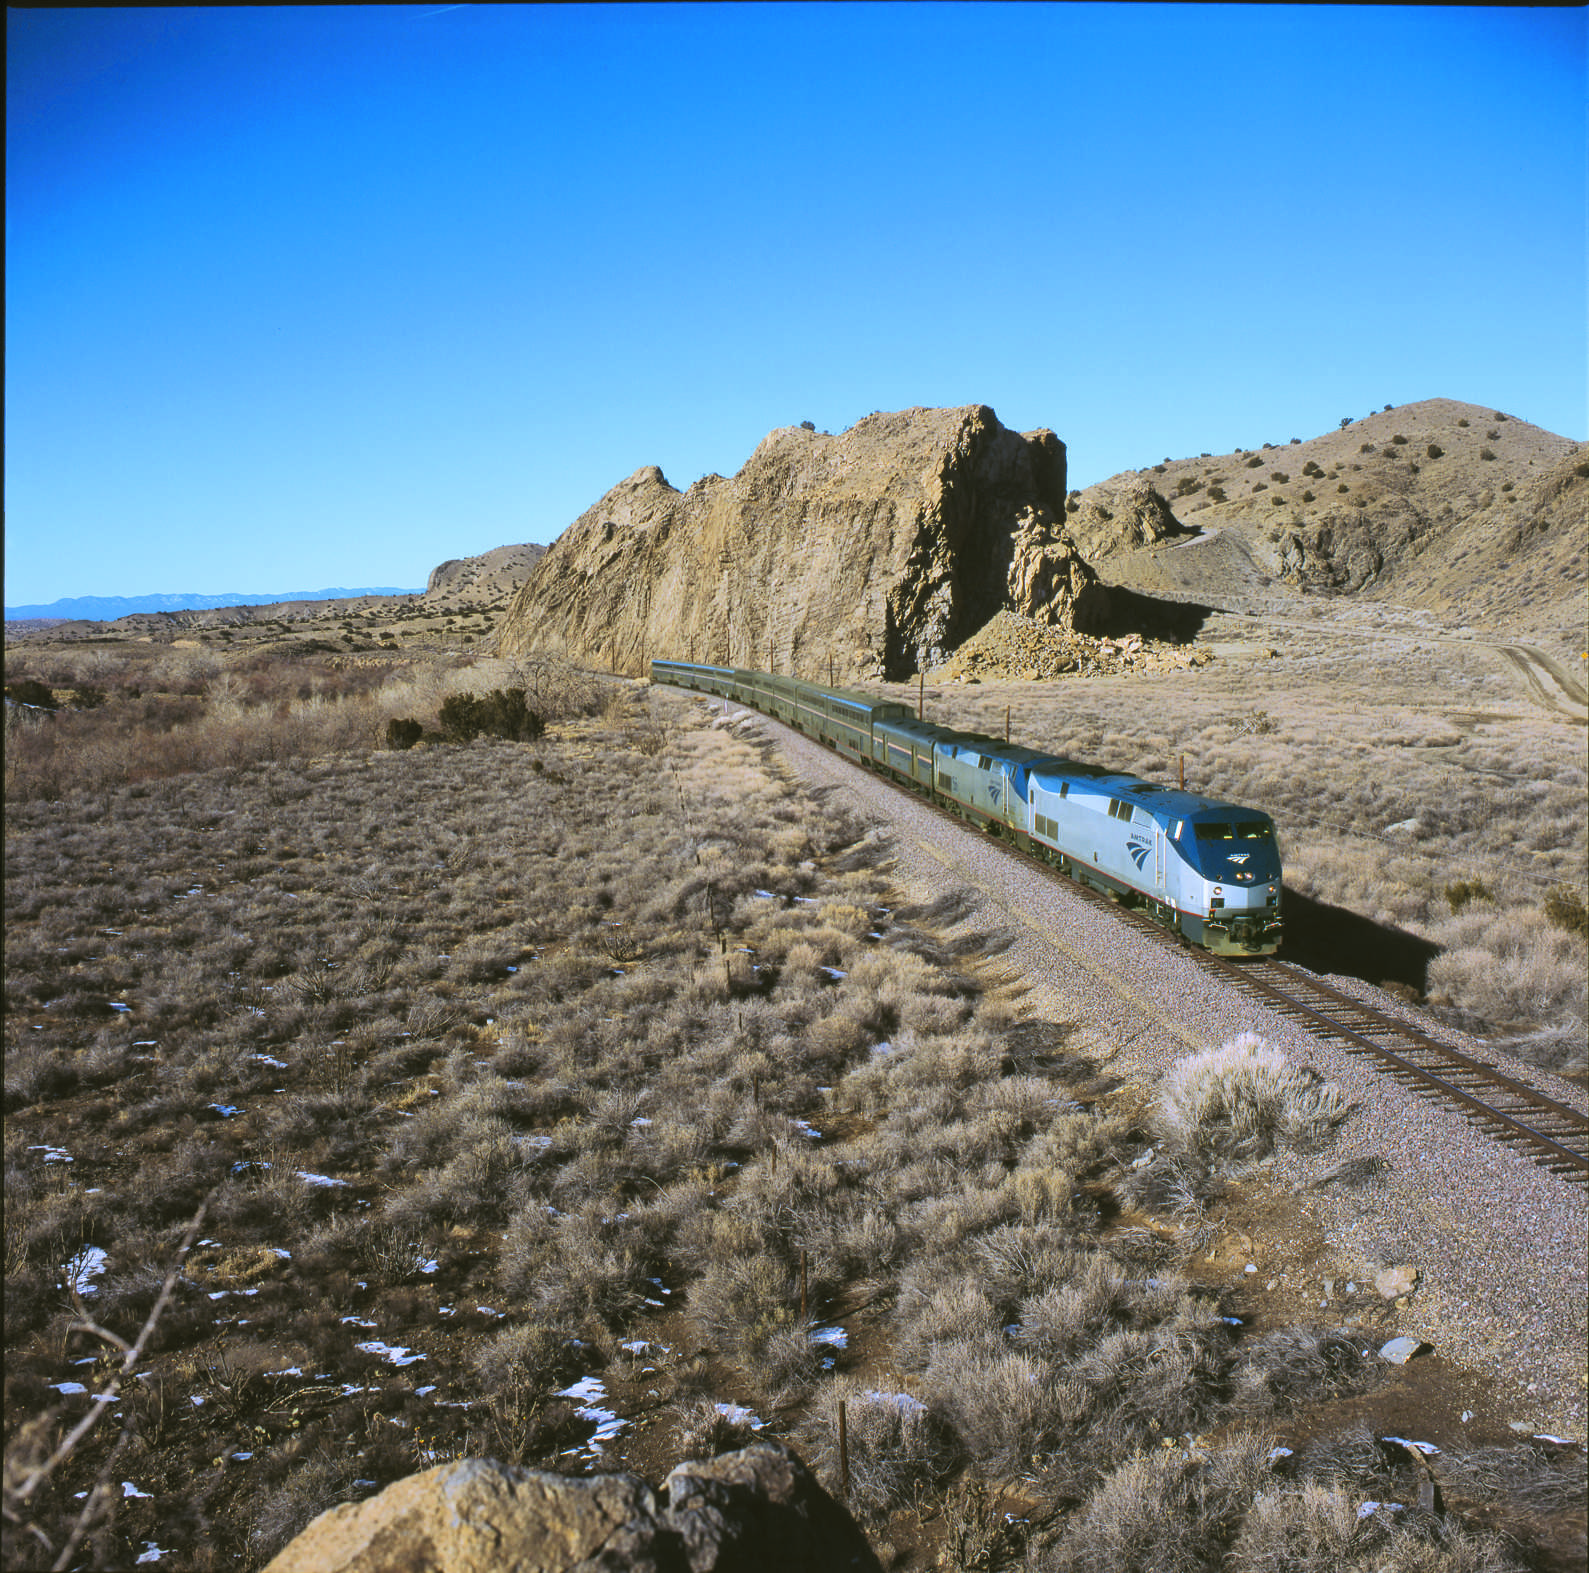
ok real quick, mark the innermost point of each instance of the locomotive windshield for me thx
(1242, 830)
(1235, 849)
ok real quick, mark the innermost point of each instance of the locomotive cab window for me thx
(1214, 832)
(1254, 830)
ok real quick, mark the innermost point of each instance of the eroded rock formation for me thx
(881, 548)
(1120, 516)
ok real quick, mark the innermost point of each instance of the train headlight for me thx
(1219, 890)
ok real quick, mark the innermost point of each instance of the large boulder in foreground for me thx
(756, 1511)
(881, 549)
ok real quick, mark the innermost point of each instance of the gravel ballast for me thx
(1499, 1242)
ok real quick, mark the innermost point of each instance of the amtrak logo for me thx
(1240, 857)
(1139, 852)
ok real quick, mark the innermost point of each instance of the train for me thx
(1206, 869)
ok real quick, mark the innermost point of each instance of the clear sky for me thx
(323, 296)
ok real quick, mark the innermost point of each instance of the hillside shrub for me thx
(1296, 442)
(403, 734)
(1435, 451)
(1237, 1101)
(1187, 485)
(1343, 487)
(1279, 477)
(1399, 440)
(1367, 447)
(1564, 906)
(1463, 421)
(1487, 454)
(1492, 434)
(1581, 470)
(1216, 494)
(29, 691)
(501, 713)
(1500, 417)
(1260, 486)
(1255, 463)
(1308, 497)
(1460, 892)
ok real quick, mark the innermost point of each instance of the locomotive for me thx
(1206, 869)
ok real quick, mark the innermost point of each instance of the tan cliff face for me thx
(879, 549)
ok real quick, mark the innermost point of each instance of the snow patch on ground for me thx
(397, 1356)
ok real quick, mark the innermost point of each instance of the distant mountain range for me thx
(106, 608)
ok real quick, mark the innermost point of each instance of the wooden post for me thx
(802, 1284)
(921, 690)
(1183, 772)
(844, 1453)
(830, 671)
(1006, 723)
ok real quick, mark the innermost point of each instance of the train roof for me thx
(1163, 802)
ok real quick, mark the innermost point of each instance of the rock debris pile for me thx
(1014, 647)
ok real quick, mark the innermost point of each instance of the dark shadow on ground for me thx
(1323, 938)
(1131, 612)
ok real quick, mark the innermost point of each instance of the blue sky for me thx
(321, 296)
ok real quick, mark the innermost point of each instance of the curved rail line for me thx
(1550, 1133)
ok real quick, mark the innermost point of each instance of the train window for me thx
(1180, 825)
(1064, 789)
(1214, 832)
(983, 762)
(1253, 830)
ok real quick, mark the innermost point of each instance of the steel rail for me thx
(1549, 1148)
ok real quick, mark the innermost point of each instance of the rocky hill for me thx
(1457, 509)
(880, 549)
(490, 577)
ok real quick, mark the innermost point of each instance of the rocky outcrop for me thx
(881, 549)
(1048, 580)
(756, 1511)
(1122, 515)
